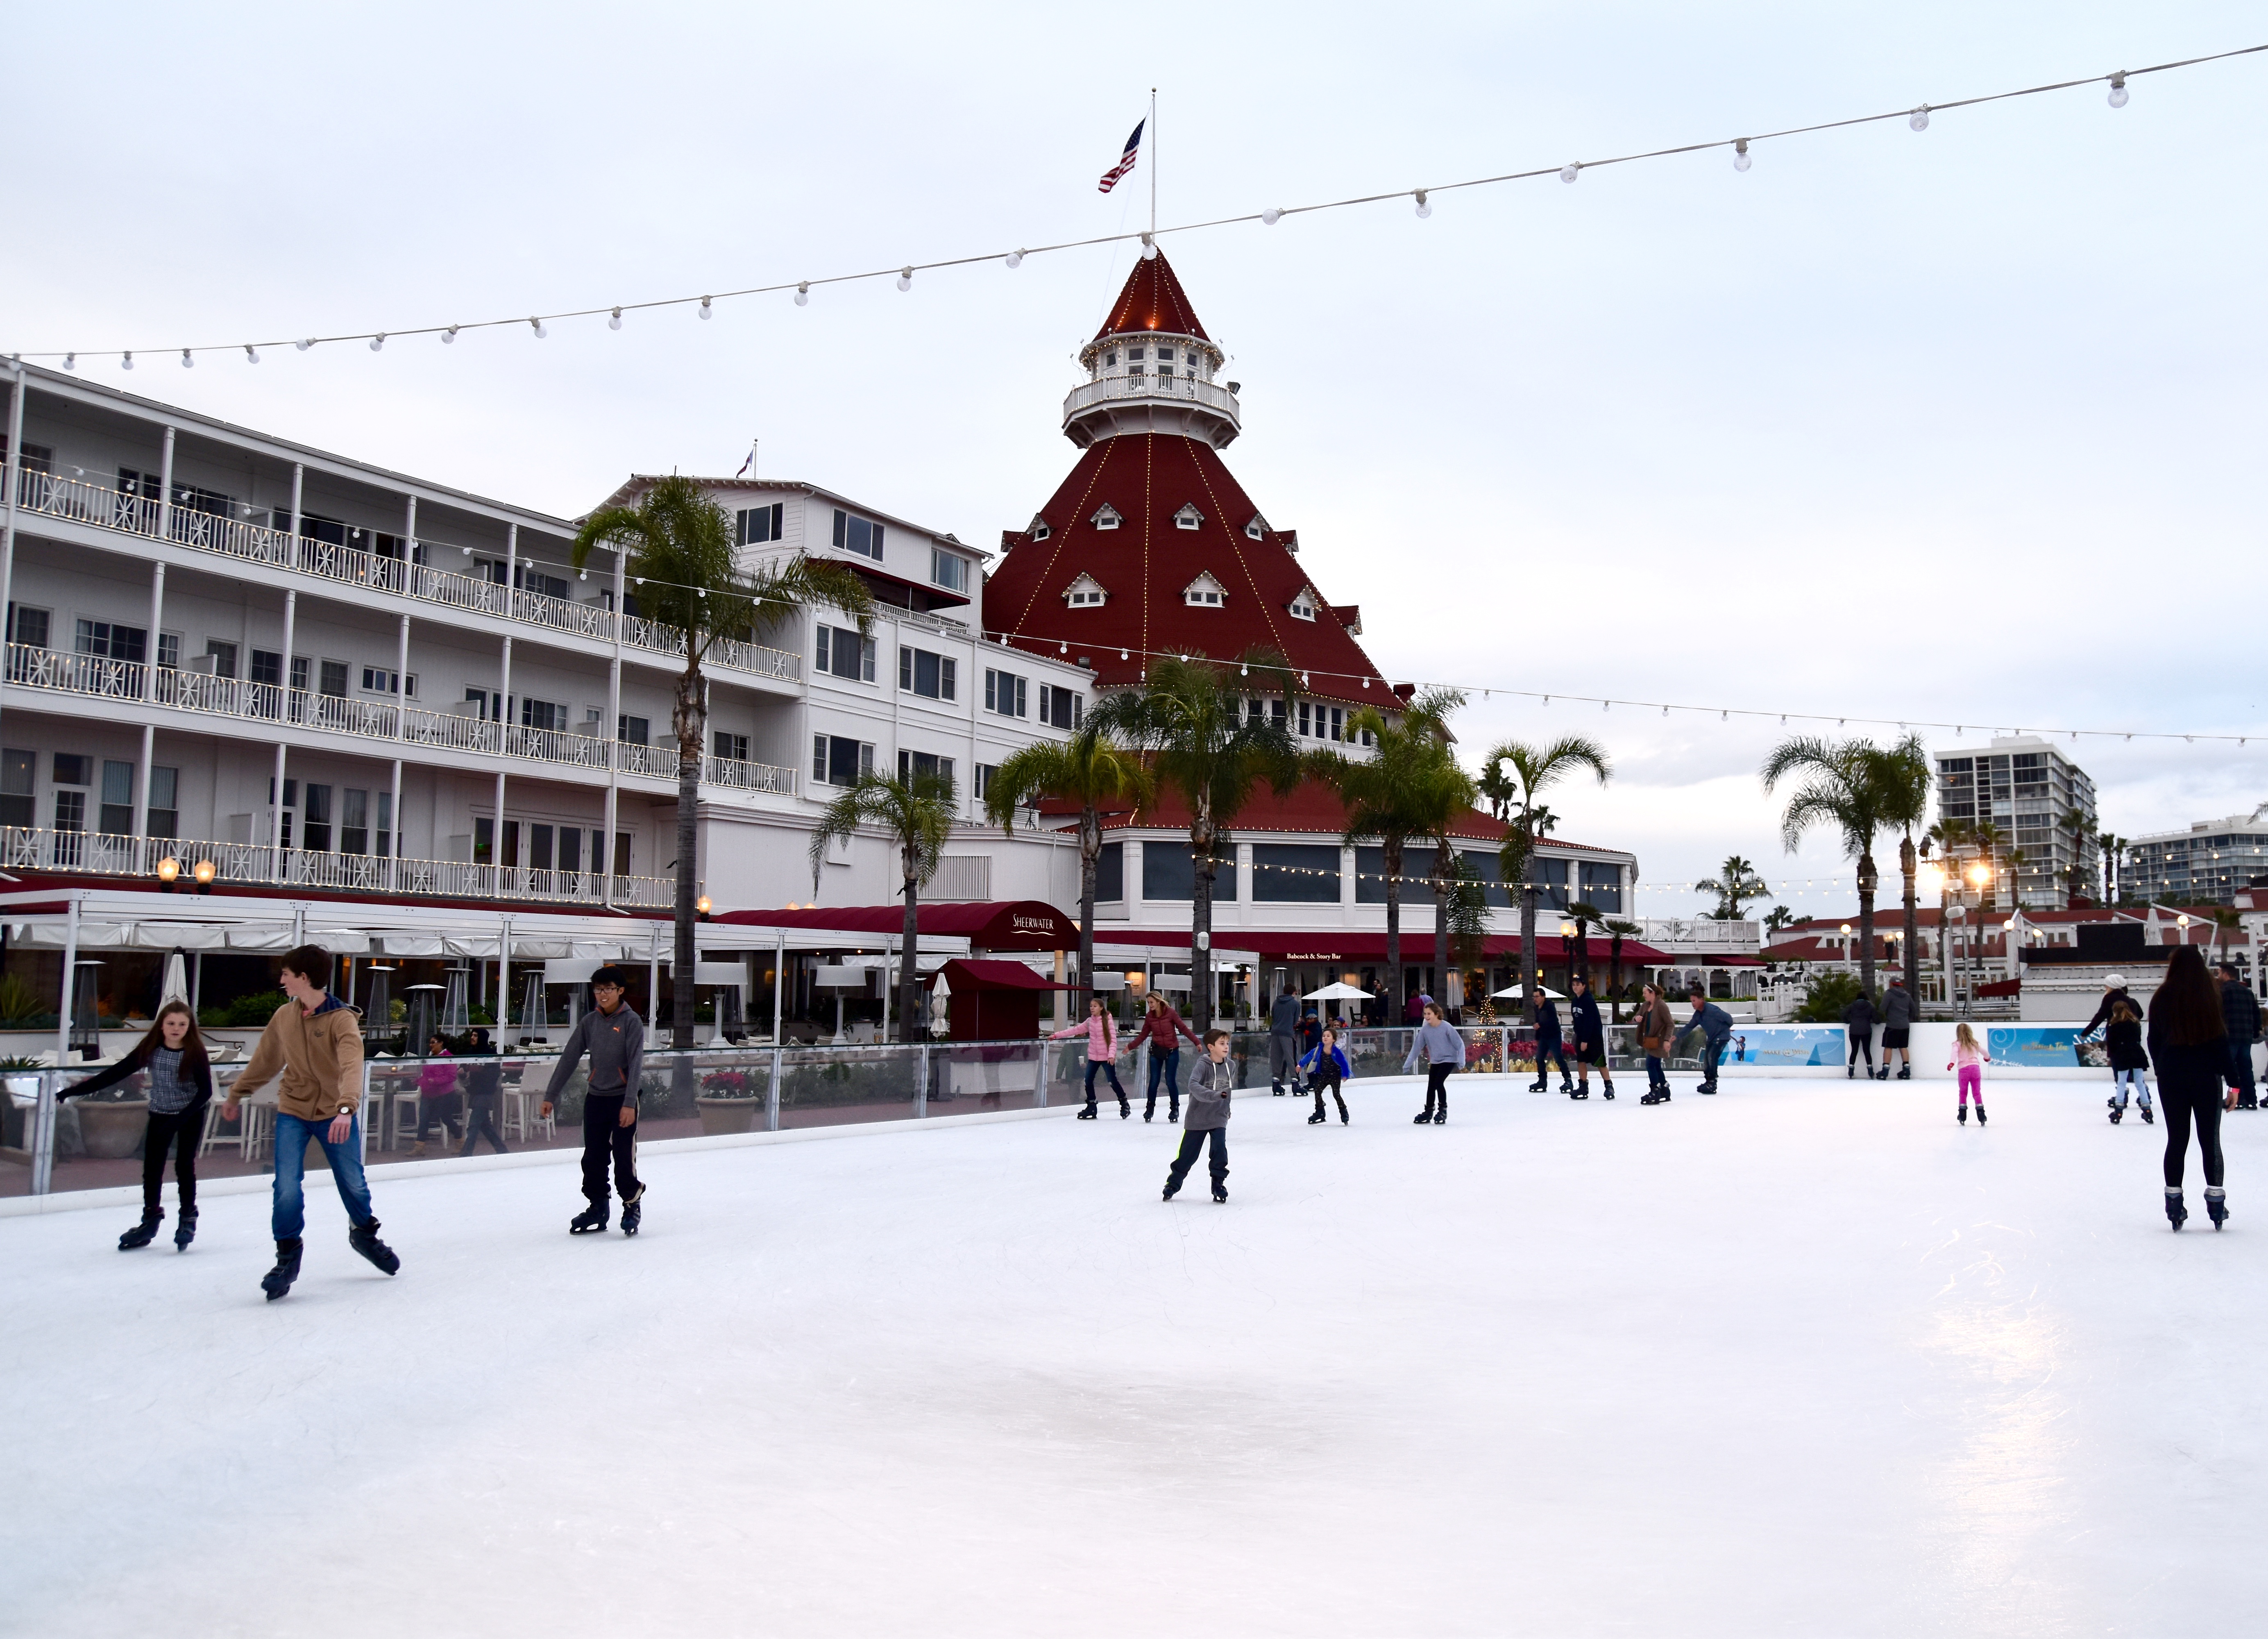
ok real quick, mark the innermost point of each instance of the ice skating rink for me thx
(1805, 1359)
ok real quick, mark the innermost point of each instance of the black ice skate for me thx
(1882, 1074)
(1168, 1195)
(1542, 1086)
(279, 1280)
(2148, 1119)
(1424, 1116)
(141, 1233)
(186, 1231)
(2216, 1205)
(590, 1221)
(1980, 1115)
(633, 1211)
(2118, 1112)
(1567, 1086)
(1654, 1096)
(1905, 1072)
(1220, 1194)
(1964, 1115)
(1578, 1092)
(2176, 1213)
(1609, 1089)
(1442, 1115)
(363, 1238)
(1315, 1119)
(1124, 1109)
(1087, 1114)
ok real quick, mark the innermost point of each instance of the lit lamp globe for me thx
(701, 904)
(204, 873)
(169, 870)
(1929, 879)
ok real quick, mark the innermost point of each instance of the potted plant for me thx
(111, 1123)
(727, 1101)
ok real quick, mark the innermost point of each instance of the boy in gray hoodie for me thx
(1208, 1117)
(615, 1036)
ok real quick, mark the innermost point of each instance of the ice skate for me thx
(1168, 1195)
(186, 1231)
(1980, 1115)
(2149, 1118)
(2118, 1112)
(363, 1238)
(1424, 1116)
(1607, 1091)
(590, 1221)
(1567, 1086)
(1315, 1119)
(1850, 1071)
(1541, 1086)
(1087, 1114)
(633, 1211)
(279, 1280)
(1275, 1087)
(1441, 1116)
(2216, 1205)
(1220, 1194)
(1905, 1073)
(1882, 1074)
(1964, 1116)
(1124, 1109)
(1654, 1096)
(141, 1233)
(1579, 1092)
(2176, 1213)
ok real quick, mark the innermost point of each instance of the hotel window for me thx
(118, 798)
(949, 570)
(730, 748)
(912, 763)
(1303, 608)
(1107, 517)
(27, 626)
(106, 640)
(759, 524)
(542, 714)
(384, 680)
(165, 802)
(633, 730)
(931, 676)
(1188, 518)
(1003, 694)
(854, 533)
(315, 819)
(1061, 708)
(843, 653)
(354, 821)
(836, 760)
(169, 650)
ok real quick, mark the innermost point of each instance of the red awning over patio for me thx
(1000, 925)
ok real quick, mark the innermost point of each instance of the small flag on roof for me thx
(1111, 178)
(748, 467)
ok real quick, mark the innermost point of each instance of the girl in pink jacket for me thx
(1101, 1033)
(1971, 1060)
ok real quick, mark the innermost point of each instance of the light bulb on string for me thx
(126, 361)
(706, 310)
(1741, 160)
(615, 320)
(70, 361)
(1569, 172)
(1272, 216)
(378, 342)
(449, 336)
(251, 354)
(1424, 208)
(303, 346)
(187, 363)
(803, 294)
(537, 326)
(2118, 89)
(905, 278)
(1919, 118)
(1016, 258)
(1149, 248)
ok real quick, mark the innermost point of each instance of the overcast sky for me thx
(1965, 424)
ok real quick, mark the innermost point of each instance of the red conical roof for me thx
(1152, 300)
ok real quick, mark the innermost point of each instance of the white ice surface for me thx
(1801, 1358)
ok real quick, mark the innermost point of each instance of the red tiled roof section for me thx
(1152, 300)
(1145, 562)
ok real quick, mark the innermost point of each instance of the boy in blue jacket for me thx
(1327, 1065)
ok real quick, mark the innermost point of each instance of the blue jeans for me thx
(291, 1136)
(1102, 1066)
(1168, 1065)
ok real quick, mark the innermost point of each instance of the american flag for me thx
(1110, 178)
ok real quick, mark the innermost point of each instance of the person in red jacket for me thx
(1162, 1029)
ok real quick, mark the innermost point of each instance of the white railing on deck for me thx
(79, 501)
(97, 853)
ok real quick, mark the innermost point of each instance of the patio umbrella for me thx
(1514, 993)
(1338, 991)
(422, 998)
(454, 1020)
(176, 986)
(532, 1016)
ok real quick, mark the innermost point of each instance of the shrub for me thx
(1826, 996)
(245, 1013)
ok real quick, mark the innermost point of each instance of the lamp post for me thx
(1567, 950)
(1932, 879)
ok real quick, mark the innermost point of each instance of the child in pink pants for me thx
(1971, 1059)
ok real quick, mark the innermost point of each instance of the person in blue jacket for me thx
(1327, 1065)
(1590, 1038)
(1715, 1025)
(1548, 1046)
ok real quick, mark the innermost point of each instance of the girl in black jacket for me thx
(2188, 1043)
(180, 1087)
(2122, 1039)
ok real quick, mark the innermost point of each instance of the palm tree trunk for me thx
(1439, 885)
(910, 1023)
(1866, 880)
(1528, 967)
(1397, 1001)
(1614, 977)
(1090, 859)
(1200, 928)
(690, 720)
(1910, 950)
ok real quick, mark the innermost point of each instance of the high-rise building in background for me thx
(2030, 793)
(2212, 860)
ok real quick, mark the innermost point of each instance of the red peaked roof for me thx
(1146, 563)
(1152, 300)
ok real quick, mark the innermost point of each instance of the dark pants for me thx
(2181, 1104)
(1328, 1076)
(1653, 1076)
(182, 1134)
(1547, 1049)
(2239, 1073)
(1710, 1051)
(481, 1118)
(1105, 1067)
(1167, 1064)
(604, 1132)
(430, 1115)
(1283, 1057)
(1436, 1089)
(1186, 1157)
(1862, 1046)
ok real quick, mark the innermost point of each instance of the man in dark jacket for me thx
(1283, 1040)
(1590, 1032)
(1897, 1026)
(2240, 1009)
(615, 1036)
(1859, 1025)
(1715, 1025)
(1547, 1046)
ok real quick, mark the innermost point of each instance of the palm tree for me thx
(681, 555)
(1617, 930)
(1090, 770)
(1736, 883)
(1460, 902)
(1405, 789)
(1779, 917)
(2080, 828)
(1987, 840)
(1199, 742)
(916, 814)
(1843, 789)
(2225, 920)
(1530, 771)
(1905, 777)
(2114, 852)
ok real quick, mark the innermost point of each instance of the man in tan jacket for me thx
(315, 1041)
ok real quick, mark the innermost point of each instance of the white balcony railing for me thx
(1133, 389)
(245, 864)
(75, 499)
(86, 675)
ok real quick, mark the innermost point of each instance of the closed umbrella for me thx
(176, 984)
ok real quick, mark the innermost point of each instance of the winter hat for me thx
(2114, 981)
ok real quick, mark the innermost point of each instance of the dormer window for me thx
(1040, 530)
(1110, 360)
(1085, 592)
(1107, 517)
(1188, 518)
(1204, 592)
(1255, 529)
(1134, 352)
(1303, 606)
(1164, 355)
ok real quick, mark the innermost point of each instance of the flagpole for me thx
(1154, 164)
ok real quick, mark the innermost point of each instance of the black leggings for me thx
(1329, 1077)
(180, 1134)
(2180, 1104)
(1436, 1089)
(1862, 1046)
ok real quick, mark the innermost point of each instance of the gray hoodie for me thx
(1436, 1043)
(1209, 1089)
(617, 1044)
(1897, 1008)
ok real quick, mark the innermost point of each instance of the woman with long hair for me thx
(180, 1086)
(1655, 1031)
(2189, 1044)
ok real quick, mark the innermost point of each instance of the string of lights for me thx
(1743, 149)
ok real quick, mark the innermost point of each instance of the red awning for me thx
(1322, 944)
(2002, 987)
(1001, 924)
(968, 974)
